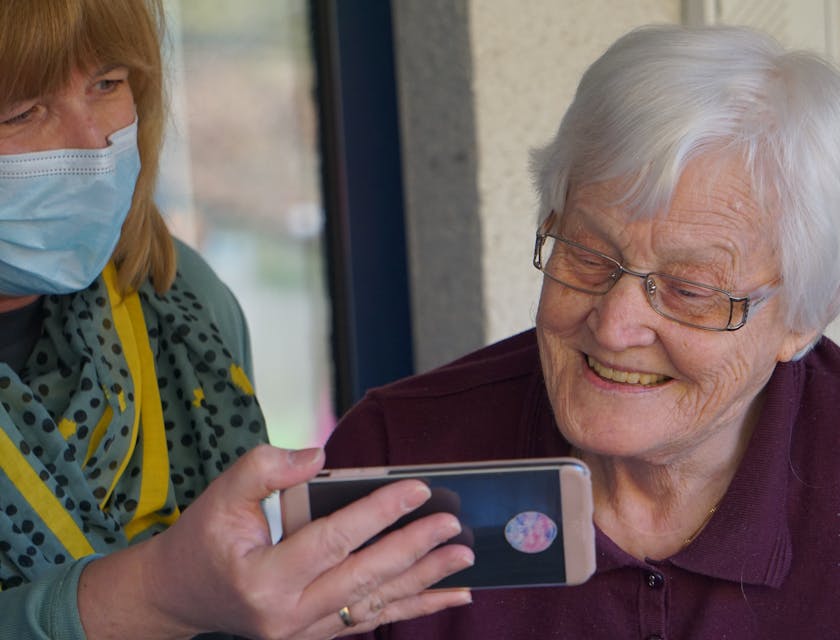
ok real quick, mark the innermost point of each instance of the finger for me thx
(397, 599)
(426, 572)
(326, 542)
(265, 468)
(394, 568)
(421, 604)
(366, 571)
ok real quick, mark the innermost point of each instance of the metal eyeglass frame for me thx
(750, 302)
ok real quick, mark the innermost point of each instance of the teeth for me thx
(628, 377)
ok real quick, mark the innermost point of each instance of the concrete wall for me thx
(440, 167)
(481, 83)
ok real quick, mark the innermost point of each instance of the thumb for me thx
(267, 468)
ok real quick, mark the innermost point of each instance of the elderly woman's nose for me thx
(622, 317)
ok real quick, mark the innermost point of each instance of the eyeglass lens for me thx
(588, 271)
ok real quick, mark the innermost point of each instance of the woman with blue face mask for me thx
(124, 384)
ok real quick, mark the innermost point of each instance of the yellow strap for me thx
(154, 477)
(42, 500)
(154, 487)
(122, 324)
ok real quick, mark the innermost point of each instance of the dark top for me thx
(19, 331)
(766, 566)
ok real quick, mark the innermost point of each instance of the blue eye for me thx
(109, 84)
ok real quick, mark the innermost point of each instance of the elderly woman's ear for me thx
(797, 344)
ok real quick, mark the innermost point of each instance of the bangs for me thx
(43, 41)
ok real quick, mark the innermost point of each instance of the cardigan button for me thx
(655, 580)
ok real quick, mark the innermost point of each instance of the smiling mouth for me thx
(625, 377)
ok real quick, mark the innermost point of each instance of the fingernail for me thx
(416, 497)
(461, 594)
(466, 559)
(305, 457)
(448, 530)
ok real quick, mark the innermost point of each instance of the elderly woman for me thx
(124, 388)
(690, 251)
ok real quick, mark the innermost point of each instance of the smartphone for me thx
(529, 522)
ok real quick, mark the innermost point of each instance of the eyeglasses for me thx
(690, 303)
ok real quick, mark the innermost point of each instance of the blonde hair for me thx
(43, 41)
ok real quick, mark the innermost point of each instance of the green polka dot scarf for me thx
(126, 409)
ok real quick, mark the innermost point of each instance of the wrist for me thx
(120, 597)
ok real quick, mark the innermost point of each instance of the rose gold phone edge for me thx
(578, 526)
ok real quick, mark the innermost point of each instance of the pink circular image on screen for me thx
(530, 532)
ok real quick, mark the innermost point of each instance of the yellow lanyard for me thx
(148, 416)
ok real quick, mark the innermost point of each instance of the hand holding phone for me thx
(529, 522)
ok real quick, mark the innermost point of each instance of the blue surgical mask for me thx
(61, 214)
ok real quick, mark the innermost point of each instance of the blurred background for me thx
(357, 170)
(241, 184)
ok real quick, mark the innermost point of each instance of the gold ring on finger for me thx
(346, 618)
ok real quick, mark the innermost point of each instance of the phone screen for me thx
(512, 519)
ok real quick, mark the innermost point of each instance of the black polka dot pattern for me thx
(71, 414)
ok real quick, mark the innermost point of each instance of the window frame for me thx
(365, 233)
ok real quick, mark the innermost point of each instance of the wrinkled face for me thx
(693, 385)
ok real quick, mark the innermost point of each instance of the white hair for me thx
(663, 95)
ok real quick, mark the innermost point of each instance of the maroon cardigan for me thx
(767, 565)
